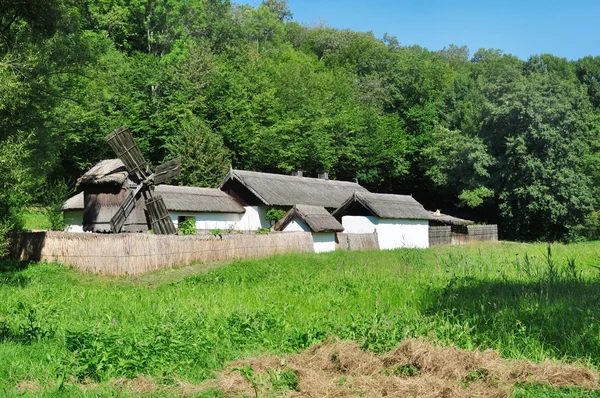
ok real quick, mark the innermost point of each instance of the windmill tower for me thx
(119, 193)
(126, 149)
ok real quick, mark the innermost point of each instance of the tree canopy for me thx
(489, 137)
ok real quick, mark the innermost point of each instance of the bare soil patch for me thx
(416, 368)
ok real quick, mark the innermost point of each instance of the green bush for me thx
(188, 227)
(274, 215)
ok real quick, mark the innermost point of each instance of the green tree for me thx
(204, 159)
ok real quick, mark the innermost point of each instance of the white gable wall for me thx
(296, 225)
(396, 233)
(359, 224)
(253, 219)
(73, 220)
(208, 221)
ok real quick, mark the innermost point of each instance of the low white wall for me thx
(324, 241)
(253, 219)
(394, 234)
(359, 224)
(207, 221)
(73, 221)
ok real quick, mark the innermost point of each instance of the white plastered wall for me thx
(324, 241)
(253, 219)
(359, 224)
(73, 221)
(296, 225)
(208, 221)
(395, 233)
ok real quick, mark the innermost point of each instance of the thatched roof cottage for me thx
(258, 192)
(314, 219)
(398, 220)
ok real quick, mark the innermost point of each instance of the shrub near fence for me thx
(135, 254)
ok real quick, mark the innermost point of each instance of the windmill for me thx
(126, 149)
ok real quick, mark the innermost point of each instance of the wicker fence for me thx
(483, 232)
(134, 254)
(447, 235)
(440, 235)
(356, 241)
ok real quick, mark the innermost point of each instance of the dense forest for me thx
(485, 135)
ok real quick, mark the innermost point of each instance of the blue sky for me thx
(564, 28)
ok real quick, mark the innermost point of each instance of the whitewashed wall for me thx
(296, 226)
(207, 221)
(359, 224)
(324, 241)
(253, 219)
(393, 234)
(73, 221)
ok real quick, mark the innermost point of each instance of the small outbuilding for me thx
(314, 219)
(73, 213)
(258, 192)
(398, 220)
(211, 208)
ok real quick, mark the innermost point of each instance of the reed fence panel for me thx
(356, 241)
(440, 235)
(483, 232)
(135, 254)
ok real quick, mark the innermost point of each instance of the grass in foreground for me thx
(59, 327)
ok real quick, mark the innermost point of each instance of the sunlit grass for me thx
(58, 325)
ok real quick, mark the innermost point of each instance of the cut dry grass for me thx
(416, 368)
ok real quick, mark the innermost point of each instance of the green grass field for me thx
(59, 328)
(35, 220)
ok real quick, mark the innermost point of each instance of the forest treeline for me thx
(485, 135)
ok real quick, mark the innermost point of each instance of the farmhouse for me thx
(314, 219)
(398, 220)
(258, 192)
(105, 186)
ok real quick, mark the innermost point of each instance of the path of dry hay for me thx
(342, 369)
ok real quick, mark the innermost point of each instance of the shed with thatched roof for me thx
(314, 219)
(211, 208)
(73, 213)
(398, 220)
(104, 187)
(260, 191)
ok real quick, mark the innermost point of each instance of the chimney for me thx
(323, 176)
(297, 173)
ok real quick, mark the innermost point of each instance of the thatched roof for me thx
(315, 217)
(185, 199)
(109, 171)
(384, 206)
(285, 190)
(449, 220)
(198, 200)
(74, 203)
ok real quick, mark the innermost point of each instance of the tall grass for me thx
(527, 301)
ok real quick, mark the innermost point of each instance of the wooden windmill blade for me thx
(118, 220)
(166, 171)
(159, 216)
(126, 149)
